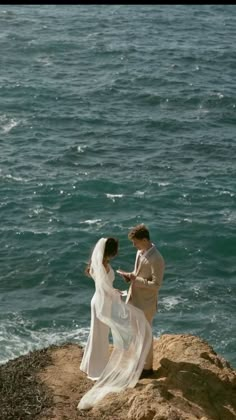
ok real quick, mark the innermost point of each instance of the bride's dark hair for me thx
(111, 247)
(110, 251)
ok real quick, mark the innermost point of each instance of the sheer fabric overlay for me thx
(131, 334)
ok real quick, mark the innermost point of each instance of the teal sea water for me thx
(112, 115)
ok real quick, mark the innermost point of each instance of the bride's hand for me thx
(119, 291)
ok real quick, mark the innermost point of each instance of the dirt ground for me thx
(45, 384)
(68, 384)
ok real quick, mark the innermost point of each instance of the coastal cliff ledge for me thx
(190, 382)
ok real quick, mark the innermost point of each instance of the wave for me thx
(7, 124)
(18, 337)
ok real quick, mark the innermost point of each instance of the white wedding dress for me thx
(96, 352)
(131, 334)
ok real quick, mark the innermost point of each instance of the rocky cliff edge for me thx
(190, 382)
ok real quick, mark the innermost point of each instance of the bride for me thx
(119, 368)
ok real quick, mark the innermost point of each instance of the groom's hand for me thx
(132, 277)
(124, 274)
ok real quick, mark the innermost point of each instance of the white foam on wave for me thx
(196, 289)
(139, 193)
(170, 302)
(14, 178)
(227, 193)
(7, 123)
(6, 128)
(81, 149)
(229, 216)
(163, 184)
(45, 61)
(48, 232)
(17, 338)
(114, 196)
(91, 221)
(11, 177)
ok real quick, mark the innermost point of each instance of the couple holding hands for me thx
(116, 367)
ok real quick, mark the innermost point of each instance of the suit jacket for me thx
(149, 269)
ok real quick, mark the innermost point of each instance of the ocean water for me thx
(112, 115)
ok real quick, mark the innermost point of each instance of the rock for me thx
(190, 382)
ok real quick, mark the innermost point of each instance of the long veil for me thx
(131, 334)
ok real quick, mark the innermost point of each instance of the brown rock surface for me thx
(190, 382)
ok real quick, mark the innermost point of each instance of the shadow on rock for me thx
(216, 396)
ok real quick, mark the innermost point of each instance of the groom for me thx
(145, 280)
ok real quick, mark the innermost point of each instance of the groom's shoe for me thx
(146, 373)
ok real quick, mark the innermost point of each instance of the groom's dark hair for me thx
(139, 232)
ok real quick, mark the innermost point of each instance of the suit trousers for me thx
(149, 359)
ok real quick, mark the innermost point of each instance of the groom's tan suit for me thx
(143, 292)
